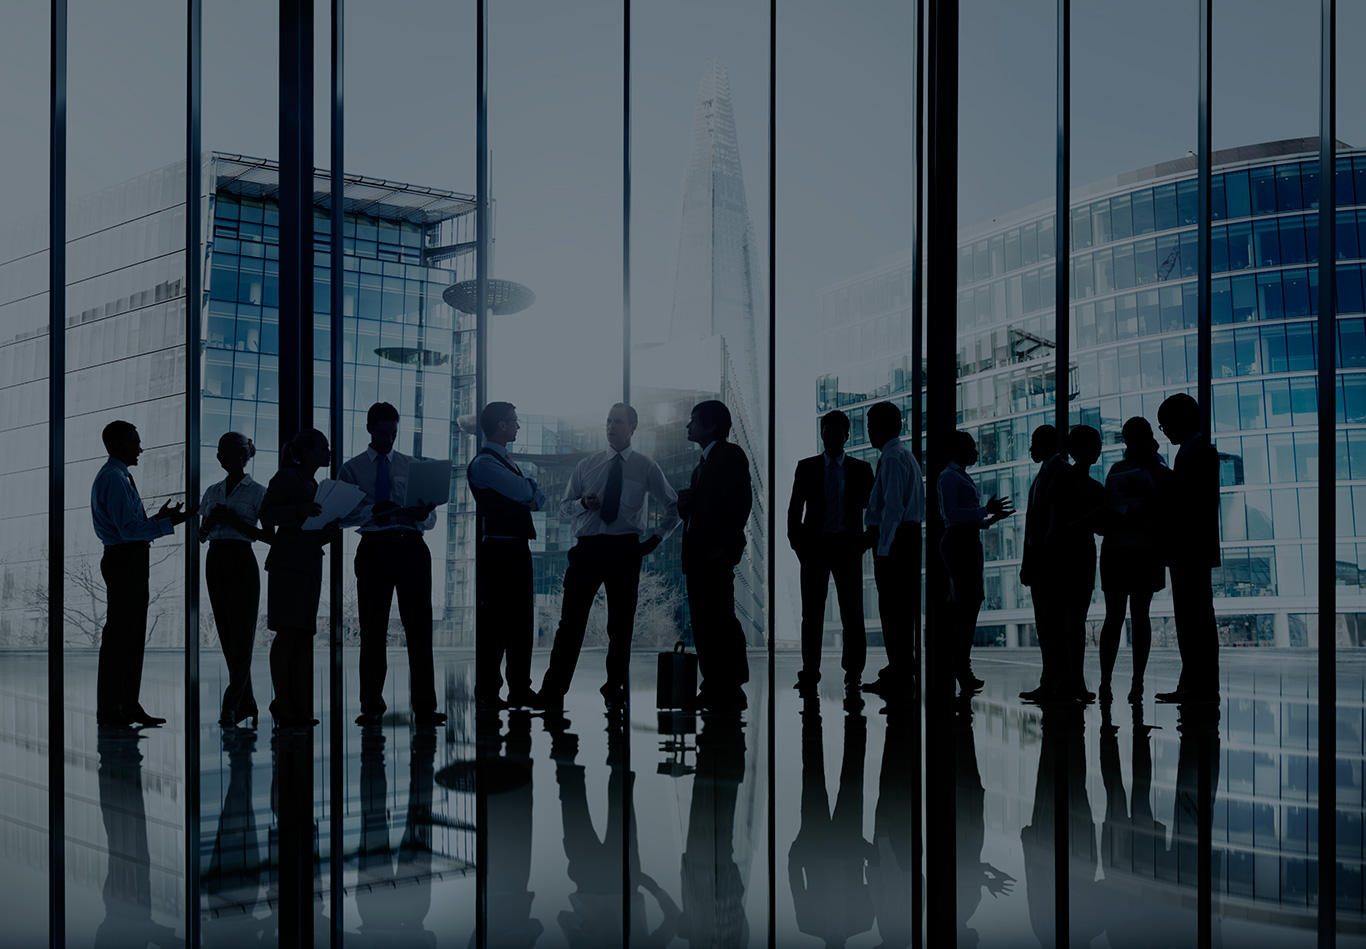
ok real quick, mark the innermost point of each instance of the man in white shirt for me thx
(122, 525)
(896, 509)
(392, 556)
(605, 498)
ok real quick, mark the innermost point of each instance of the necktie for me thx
(381, 479)
(611, 497)
(137, 496)
(832, 498)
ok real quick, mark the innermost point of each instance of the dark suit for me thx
(1037, 571)
(1078, 507)
(1193, 551)
(714, 518)
(822, 553)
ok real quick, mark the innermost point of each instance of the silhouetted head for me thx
(709, 422)
(834, 432)
(122, 441)
(1083, 444)
(1044, 444)
(499, 422)
(1138, 438)
(382, 424)
(1179, 417)
(622, 420)
(884, 423)
(307, 450)
(963, 449)
(234, 451)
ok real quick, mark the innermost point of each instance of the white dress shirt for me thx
(116, 508)
(898, 494)
(362, 471)
(639, 475)
(960, 502)
(244, 500)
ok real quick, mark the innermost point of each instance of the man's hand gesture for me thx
(174, 513)
(998, 509)
(591, 502)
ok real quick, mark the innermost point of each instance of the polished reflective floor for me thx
(595, 829)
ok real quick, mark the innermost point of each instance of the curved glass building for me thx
(1133, 273)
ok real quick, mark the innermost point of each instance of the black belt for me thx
(394, 534)
(228, 542)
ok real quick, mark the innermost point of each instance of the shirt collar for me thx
(118, 465)
(955, 466)
(838, 460)
(707, 451)
(625, 453)
(372, 454)
(891, 443)
(496, 448)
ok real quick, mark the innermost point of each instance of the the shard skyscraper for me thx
(712, 350)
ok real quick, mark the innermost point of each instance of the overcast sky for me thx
(844, 110)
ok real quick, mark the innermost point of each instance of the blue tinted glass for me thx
(1225, 407)
(1187, 201)
(1236, 194)
(1351, 343)
(1262, 183)
(1218, 249)
(1216, 198)
(1105, 321)
(1311, 237)
(1221, 356)
(1168, 256)
(1244, 298)
(223, 281)
(1013, 250)
(1128, 368)
(1170, 298)
(1267, 244)
(1270, 304)
(1349, 289)
(1342, 181)
(1029, 244)
(1299, 338)
(1046, 239)
(1250, 406)
(1345, 235)
(1296, 284)
(1150, 363)
(1084, 319)
(1273, 349)
(1149, 314)
(1121, 217)
(1190, 305)
(1144, 220)
(1304, 401)
(1309, 175)
(1281, 455)
(1173, 360)
(1254, 460)
(1145, 262)
(1221, 301)
(1354, 397)
(1288, 196)
(1081, 227)
(1240, 246)
(1126, 316)
(1277, 402)
(1165, 207)
(1356, 452)
(1292, 240)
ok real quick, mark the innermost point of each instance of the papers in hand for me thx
(428, 482)
(338, 499)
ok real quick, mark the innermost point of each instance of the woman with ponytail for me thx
(231, 509)
(295, 569)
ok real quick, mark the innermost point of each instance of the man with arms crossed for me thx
(606, 500)
(392, 556)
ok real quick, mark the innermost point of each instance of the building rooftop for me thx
(394, 200)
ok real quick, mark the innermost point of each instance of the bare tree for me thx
(656, 622)
(86, 605)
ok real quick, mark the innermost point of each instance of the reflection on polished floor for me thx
(590, 829)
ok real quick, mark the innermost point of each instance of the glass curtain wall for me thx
(1008, 385)
(24, 627)
(239, 822)
(409, 806)
(699, 311)
(125, 338)
(843, 294)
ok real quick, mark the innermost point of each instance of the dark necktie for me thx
(381, 479)
(137, 496)
(611, 496)
(832, 498)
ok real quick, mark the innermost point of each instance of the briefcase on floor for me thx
(677, 683)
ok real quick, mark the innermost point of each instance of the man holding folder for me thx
(392, 556)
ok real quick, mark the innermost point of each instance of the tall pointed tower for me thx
(717, 285)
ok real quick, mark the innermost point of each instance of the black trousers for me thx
(1050, 622)
(508, 614)
(716, 631)
(611, 560)
(897, 576)
(841, 555)
(1197, 634)
(124, 568)
(961, 550)
(389, 561)
(234, 581)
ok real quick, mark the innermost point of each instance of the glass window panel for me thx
(1145, 262)
(1288, 196)
(1121, 216)
(1354, 396)
(1236, 194)
(1165, 207)
(1187, 201)
(1240, 251)
(1081, 227)
(1101, 232)
(1232, 518)
(1299, 339)
(1084, 322)
(1124, 266)
(1221, 301)
(1244, 299)
(1263, 187)
(1250, 406)
(1356, 452)
(1029, 244)
(1292, 245)
(1309, 176)
(1349, 298)
(1270, 302)
(1245, 351)
(1170, 298)
(1281, 453)
(1259, 515)
(981, 261)
(1104, 267)
(1225, 403)
(1144, 219)
(1351, 343)
(1047, 243)
(1296, 285)
(1278, 402)
(1105, 321)
(1346, 246)
(1267, 245)
(1150, 356)
(1254, 460)
(1218, 249)
(1149, 313)
(1012, 250)
(1174, 361)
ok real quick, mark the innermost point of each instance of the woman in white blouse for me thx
(231, 510)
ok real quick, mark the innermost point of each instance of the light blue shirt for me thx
(116, 508)
(898, 494)
(362, 472)
(484, 472)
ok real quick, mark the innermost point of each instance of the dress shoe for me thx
(108, 721)
(1136, 693)
(1202, 696)
(549, 701)
(1176, 695)
(1106, 692)
(1041, 694)
(143, 717)
(524, 699)
(429, 718)
(369, 718)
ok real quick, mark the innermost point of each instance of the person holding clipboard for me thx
(392, 556)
